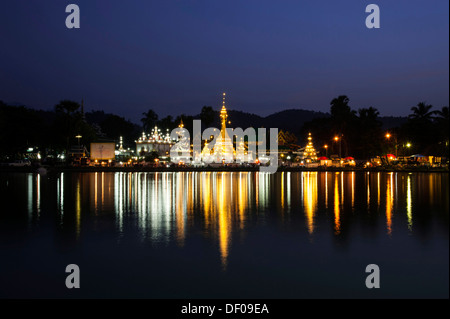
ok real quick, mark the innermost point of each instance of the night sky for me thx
(177, 56)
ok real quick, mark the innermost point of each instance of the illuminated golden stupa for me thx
(309, 153)
(223, 149)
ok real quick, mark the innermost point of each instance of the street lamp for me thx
(326, 150)
(408, 146)
(388, 136)
(78, 137)
(339, 138)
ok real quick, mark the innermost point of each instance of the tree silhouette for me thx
(149, 120)
(207, 115)
(442, 124)
(421, 112)
(369, 133)
(167, 123)
(343, 120)
(420, 129)
(442, 114)
(67, 107)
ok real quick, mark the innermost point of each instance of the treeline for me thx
(55, 131)
(360, 132)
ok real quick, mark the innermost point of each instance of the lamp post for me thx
(326, 150)
(388, 136)
(78, 137)
(339, 138)
(408, 146)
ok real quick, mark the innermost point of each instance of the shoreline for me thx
(61, 169)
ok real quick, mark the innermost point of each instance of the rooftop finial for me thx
(223, 103)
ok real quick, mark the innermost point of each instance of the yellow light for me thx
(326, 146)
(336, 138)
(408, 145)
(388, 135)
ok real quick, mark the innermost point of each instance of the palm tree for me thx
(370, 114)
(442, 114)
(442, 123)
(421, 112)
(149, 119)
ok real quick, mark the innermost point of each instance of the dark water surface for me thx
(224, 235)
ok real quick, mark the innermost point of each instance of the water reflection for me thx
(171, 207)
(337, 209)
(310, 198)
(409, 202)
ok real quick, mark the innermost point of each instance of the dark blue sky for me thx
(176, 56)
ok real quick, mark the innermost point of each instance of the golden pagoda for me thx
(309, 153)
(223, 149)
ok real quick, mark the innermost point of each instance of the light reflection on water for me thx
(164, 207)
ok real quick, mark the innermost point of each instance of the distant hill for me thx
(291, 120)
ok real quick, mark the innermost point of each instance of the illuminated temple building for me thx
(154, 142)
(308, 153)
(223, 150)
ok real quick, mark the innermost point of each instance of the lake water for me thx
(224, 234)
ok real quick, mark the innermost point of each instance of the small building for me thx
(103, 152)
(154, 142)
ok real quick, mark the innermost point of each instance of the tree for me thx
(420, 130)
(149, 120)
(339, 107)
(369, 132)
(343, 120)
(68, 122)
(207, 115)
(167, 123)
(421, 112)
(442, 124)
(114, 126)
(442, 114)
(151, 157)
(67, 106)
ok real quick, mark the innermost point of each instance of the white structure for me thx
(155, 141)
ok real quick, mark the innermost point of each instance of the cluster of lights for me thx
(156, 136)
(310, 152)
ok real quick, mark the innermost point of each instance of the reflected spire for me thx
(310, 198)
(337, 213)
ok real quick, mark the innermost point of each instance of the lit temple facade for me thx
(223, 150)
(155, 141)
(308, 153)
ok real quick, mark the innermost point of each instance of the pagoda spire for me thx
(223, 116)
